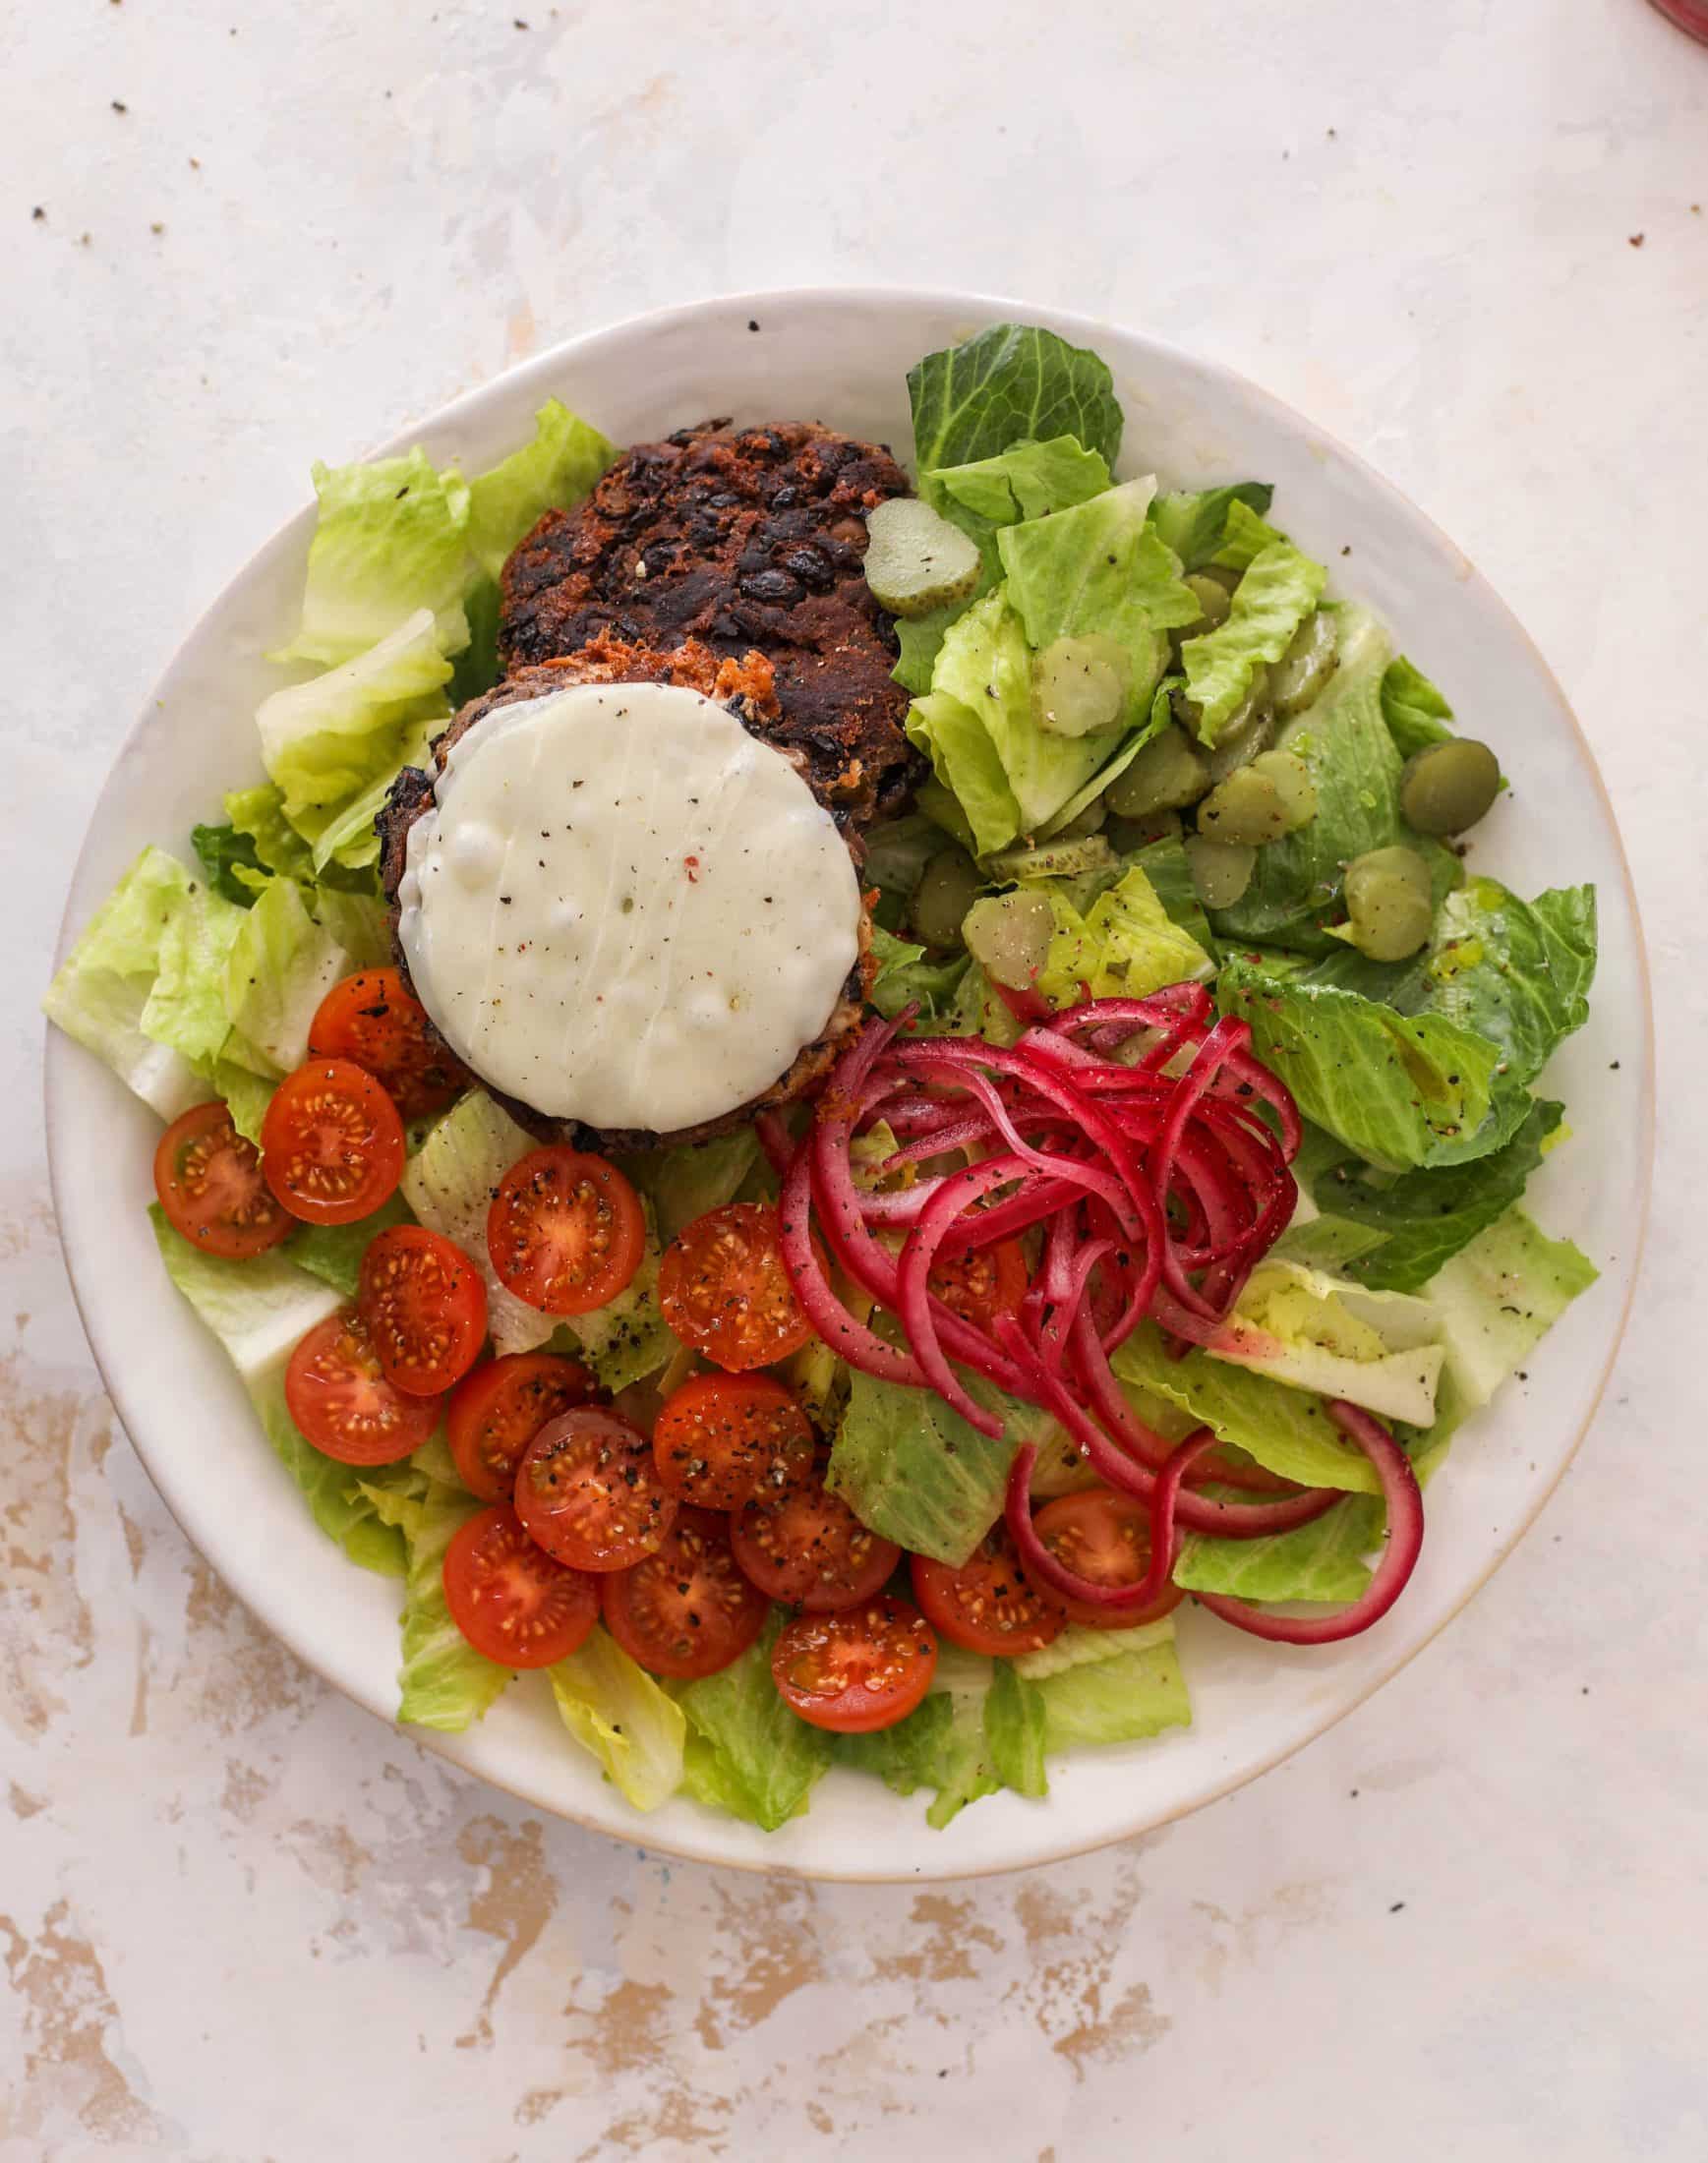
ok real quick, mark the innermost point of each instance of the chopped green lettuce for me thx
(229, 861)
(914, 1471)
(1286, 1430)
(897, 853)
(1355, 770)
(259, 1310)
(1194, 522)
(1402, 1090)
(258, 816)
(941, 1745)
(920, 638)
(685, 1182)
(1500, 1295)
(1322, 1560)
(1517, 973)
(1163, 863)
(907, 976)
(1104, 1687)
(1416, 713)
(334, 744)
(1100, 570)
(443, 1682)
(1124, 947)
(1395, 1232)
(450, 1183)
(552, 473)
(333, 1251)
(279, 967)
(626, 1719)
(1273, 597)
(627, 1338)
(1027, 479)
(976, 726)
(748, 1753)
(1245, 537)
(392, 541)
(1011, 383)
(1015, 1723)
(1381, 1350)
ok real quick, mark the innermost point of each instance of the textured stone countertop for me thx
(240, 1919)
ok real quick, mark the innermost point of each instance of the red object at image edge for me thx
(1692, 16)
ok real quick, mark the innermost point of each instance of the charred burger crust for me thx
(740, 538)
(747, 691)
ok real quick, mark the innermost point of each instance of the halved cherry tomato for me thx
(332, 1143)
(510, 1599)
(988, 1604)
(981, 1285)
(721, 1287)
(374, 1023)
(425, 1305)
(722, 1439)
(565, 1231)
(857, 1671)
(588, 1491)
(338, 1395)
(1105, 1537)
(497, 1409)
(685, 1611)
(805, 1545)
(210, 1183)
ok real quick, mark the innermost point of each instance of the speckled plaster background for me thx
(240, 1921)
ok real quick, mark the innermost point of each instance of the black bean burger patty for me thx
(748, 686)
(740, 538)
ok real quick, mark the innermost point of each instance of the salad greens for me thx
(1411, 1281)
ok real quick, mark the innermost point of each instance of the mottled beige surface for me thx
(243, 1921)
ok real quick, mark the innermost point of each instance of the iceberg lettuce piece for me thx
(392, 541)
(1381, 1350)
(622, 1716)
(333, 745)
(552, 473)
(1277, 592)
(279, 967)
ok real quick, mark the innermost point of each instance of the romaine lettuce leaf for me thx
(1394, 1233)
(1322, 1560)
(897, 853)
(259, 1310)
(1163, 862)
(914, 1471)
(941, 1745)
(748, 1753)
(1015, 1724)
(1012, 383)
(333, 1251)
(279, 967)
(1355, 770)
(392, 541)
(920, 638)
(552, 473)
(1500, 1295)
(1381, 1350)
(1027, 479)
(1415, 712)
(450, 1183)
(1287, 1429)
(1517, 973)
(228, 858)
(1125, 945)
(627, 1338)
(907, 976)
(1100, 570)
(684, 1183)
(1273, 597)
(1245, 537)
(626, 1719)
(443, 1682)
(1402, 1090)
(333, 745)
(1194, 522)
(977, 727)
(257, 815)
(1105, 1686)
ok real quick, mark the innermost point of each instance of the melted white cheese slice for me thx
(623, 909)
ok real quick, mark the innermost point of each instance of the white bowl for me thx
(842, 357)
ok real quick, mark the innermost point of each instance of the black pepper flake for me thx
(1397, 1906)
(506, 898)
(119, 105)
(39, 213)
(751, 325)
(1347, 548)
(1635, 239)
